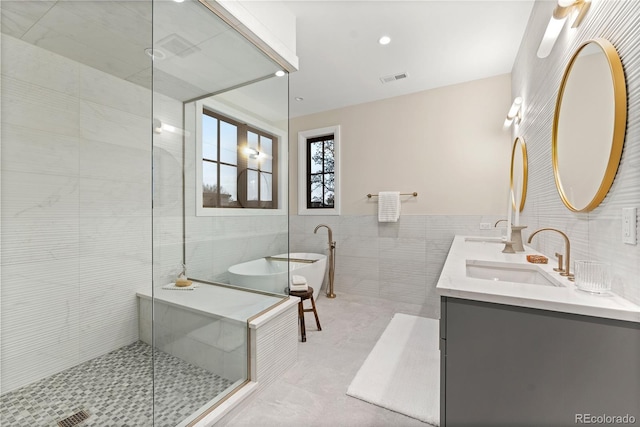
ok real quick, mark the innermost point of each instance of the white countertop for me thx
(567, 298)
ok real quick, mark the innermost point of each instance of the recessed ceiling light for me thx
(280, 73)
(384, 40)
(178, 1)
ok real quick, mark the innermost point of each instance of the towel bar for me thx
(302, 260)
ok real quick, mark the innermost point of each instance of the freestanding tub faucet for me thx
(330, 233)
(332, 249)
(567, 251)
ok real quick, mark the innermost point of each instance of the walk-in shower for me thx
(105, 162)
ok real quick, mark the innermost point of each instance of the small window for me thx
(318, 168)
(239, 164)
(320, 172)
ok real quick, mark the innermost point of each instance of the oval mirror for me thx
(589, 125)
(519, 173)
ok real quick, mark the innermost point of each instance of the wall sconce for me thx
(515, 113)
(572, 10)
(159, 127)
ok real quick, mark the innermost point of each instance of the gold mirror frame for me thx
(519, 142)
(619, 124)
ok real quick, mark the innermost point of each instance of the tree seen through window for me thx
(321, 172)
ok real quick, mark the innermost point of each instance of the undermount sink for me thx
(506, 272)
(484, 239)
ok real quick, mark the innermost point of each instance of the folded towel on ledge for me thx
(388, 206)
(298, 280)
(298, 288)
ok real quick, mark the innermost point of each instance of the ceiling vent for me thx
(177, 45)
(393, 77)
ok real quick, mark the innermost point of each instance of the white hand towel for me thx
(388, 206)
(297, 288)
(298, 280)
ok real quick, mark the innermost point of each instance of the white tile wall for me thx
(76, 212)
(213, 244)
(77, 225)
(396, 261)
(594, 235)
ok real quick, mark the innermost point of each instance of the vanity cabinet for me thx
(503, 365)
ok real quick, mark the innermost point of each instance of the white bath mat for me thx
(402, 372)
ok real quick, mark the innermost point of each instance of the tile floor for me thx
(313, 392)
(116, 390)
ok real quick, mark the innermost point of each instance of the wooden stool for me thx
(303, 295)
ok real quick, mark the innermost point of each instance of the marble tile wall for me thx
(398, 261)
(214, 244)
(76, 211)
(78, 235)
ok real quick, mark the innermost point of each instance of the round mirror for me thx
(519, 173)
(589, 125)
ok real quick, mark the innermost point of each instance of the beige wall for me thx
(447, 144)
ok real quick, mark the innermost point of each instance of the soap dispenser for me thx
(182, 280)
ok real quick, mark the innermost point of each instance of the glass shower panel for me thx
(257, 227)
(197, 57)
(76, 211)
(96, 212)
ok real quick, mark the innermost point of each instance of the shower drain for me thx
(74, 419)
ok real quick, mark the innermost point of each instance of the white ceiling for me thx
(200, 53)
(438, 43)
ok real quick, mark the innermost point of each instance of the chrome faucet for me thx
(567, 251)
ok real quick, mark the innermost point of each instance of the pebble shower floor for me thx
(116, 390)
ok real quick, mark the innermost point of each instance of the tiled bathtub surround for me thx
(397, 261)
(116, 389)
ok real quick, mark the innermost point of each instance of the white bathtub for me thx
(267, 274)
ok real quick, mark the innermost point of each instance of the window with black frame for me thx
(239, 166)
(321, 172)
